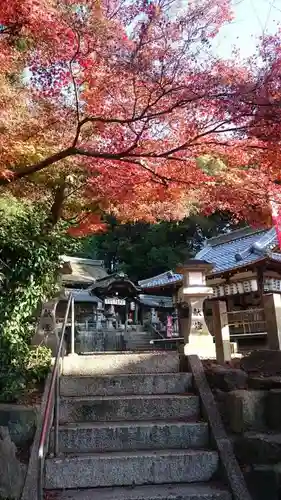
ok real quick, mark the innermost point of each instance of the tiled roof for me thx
(160, 280)
(228, 251)
(79, 295)
(155, 301)
(81, 271)
(238, 248)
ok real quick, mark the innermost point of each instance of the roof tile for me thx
(225, 252)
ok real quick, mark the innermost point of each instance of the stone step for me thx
(124, 408)
(139, 345)
(109, 385)
(118, 363)
(141, 348)
(138, 341)
(135, 335)
(196, 491)
(101, 437)
(139, 336)
(130, 468)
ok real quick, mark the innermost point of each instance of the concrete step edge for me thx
(129, 397)
(113, 455)
(72, 426)
(130, 375)
(184, 491)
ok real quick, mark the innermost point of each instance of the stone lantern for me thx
(197, 338)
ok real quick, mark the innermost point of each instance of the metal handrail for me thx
(52, 406)
(156, 331)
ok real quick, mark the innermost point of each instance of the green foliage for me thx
(144, 250)
(210, 165)
(29, 267)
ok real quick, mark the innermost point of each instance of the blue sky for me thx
(252, 19)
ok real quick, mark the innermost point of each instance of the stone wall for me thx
(21, 421)
(17, 429)
(249, 400)
(98, 341)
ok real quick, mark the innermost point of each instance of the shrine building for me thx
(106, 306)
(246, 284)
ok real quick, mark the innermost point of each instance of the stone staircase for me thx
(130, 429)
(139, 341)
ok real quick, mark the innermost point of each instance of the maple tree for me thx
(119, 106)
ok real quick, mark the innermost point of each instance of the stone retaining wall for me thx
(21, 421)
(250, 406)
(17, 429)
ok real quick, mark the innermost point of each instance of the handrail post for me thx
(56, 415)
(40, 478)
(72, 339)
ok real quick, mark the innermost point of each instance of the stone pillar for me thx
(221, 331)
(183, 313)
(46, 332)
(272, 311)
(154, 315)
(199, 340)
(110, 317)
(99, 315)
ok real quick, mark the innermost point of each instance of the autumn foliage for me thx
(120, 106)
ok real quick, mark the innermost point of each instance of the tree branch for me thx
(37, 167)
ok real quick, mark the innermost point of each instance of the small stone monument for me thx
(154, 316)
(99, 316)
(46, 333)
(110, 317)
(197, 338)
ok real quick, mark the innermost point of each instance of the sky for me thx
(252, 19)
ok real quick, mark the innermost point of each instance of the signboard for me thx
(115, 302)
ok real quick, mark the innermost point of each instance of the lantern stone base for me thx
(202, 345)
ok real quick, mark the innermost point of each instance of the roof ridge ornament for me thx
(260, 247)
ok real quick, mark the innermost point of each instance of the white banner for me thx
(115, 302)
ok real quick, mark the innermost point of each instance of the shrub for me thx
(29, 267)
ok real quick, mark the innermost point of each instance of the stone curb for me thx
(233, 473)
